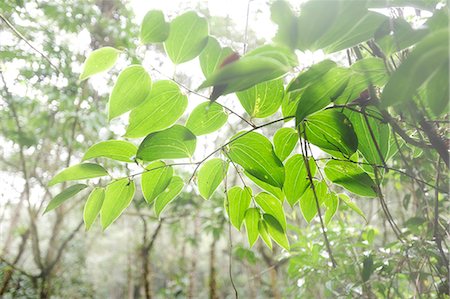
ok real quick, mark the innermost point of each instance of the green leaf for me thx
(93, 206)
(118, 196)
(312, 75)
(275, 191)
(132, 87)
(363, 73)
(427, 57)
(154, 28)
(347, 32)
(238, 201)
(251, 221)
(212, 56)
(315, 19)
(351, 177)
(255, 154)
(437, 91)
(164, 105)
(175, 142)
(352, 205)
(308, 204)
(297, 180)
(99, 60)
(321, 93)
(118, 150)
(332, 204)
(63, 196)
(284, 142)
(282, 15)
(271, 205)
(210, 176)
(263, 99)
(367, 269)
(276, 231)
(206, 118)
(78, 172)
(264, 233)
(262, 64)
(187, 37)
(380, 130)
(172, 191)
(332, 131)
(155, 180)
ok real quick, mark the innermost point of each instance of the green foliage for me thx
(255, 154)
(99, 61)
(260, 65)
(238, 202)
(63, 196)
(173, 143)
(210, 176)
(263, 99)
(332, 132)
(131, 89)
(155, 180)
(118, 150)
(297, 180)
(188, 36)
(351, 177)
(118, 196)
(251, 221)
(284, 142)
(173, 189)
(206, 118)
(78, 172)
(212, 56)
(349, 119)
(154, 28)
(163, 106)
(93, 206)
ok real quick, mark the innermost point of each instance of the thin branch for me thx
(20, 35)
(304, 150)
(230, 248)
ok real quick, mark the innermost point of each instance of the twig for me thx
(304, 150)
(20, 35)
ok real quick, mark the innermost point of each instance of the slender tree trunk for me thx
(193, 270)
(212, 271)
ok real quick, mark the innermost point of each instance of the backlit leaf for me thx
(162, 108)
(271, 205)
(93, 206)
(118, 196)
(78, 172)
(238, 201)
(284, 142)
(297, 180)
(206, 118)
(132, 87)
(263, 99)
(251, 221)
(212, 56)
(118, 150)
(98, 61)
(154, 28)
(155, 180)
(171, 192)
(63, 196)
(173, 143)
(210, 175)
(188, 36)
(351, 177)
(332, 131)
(255, 154)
